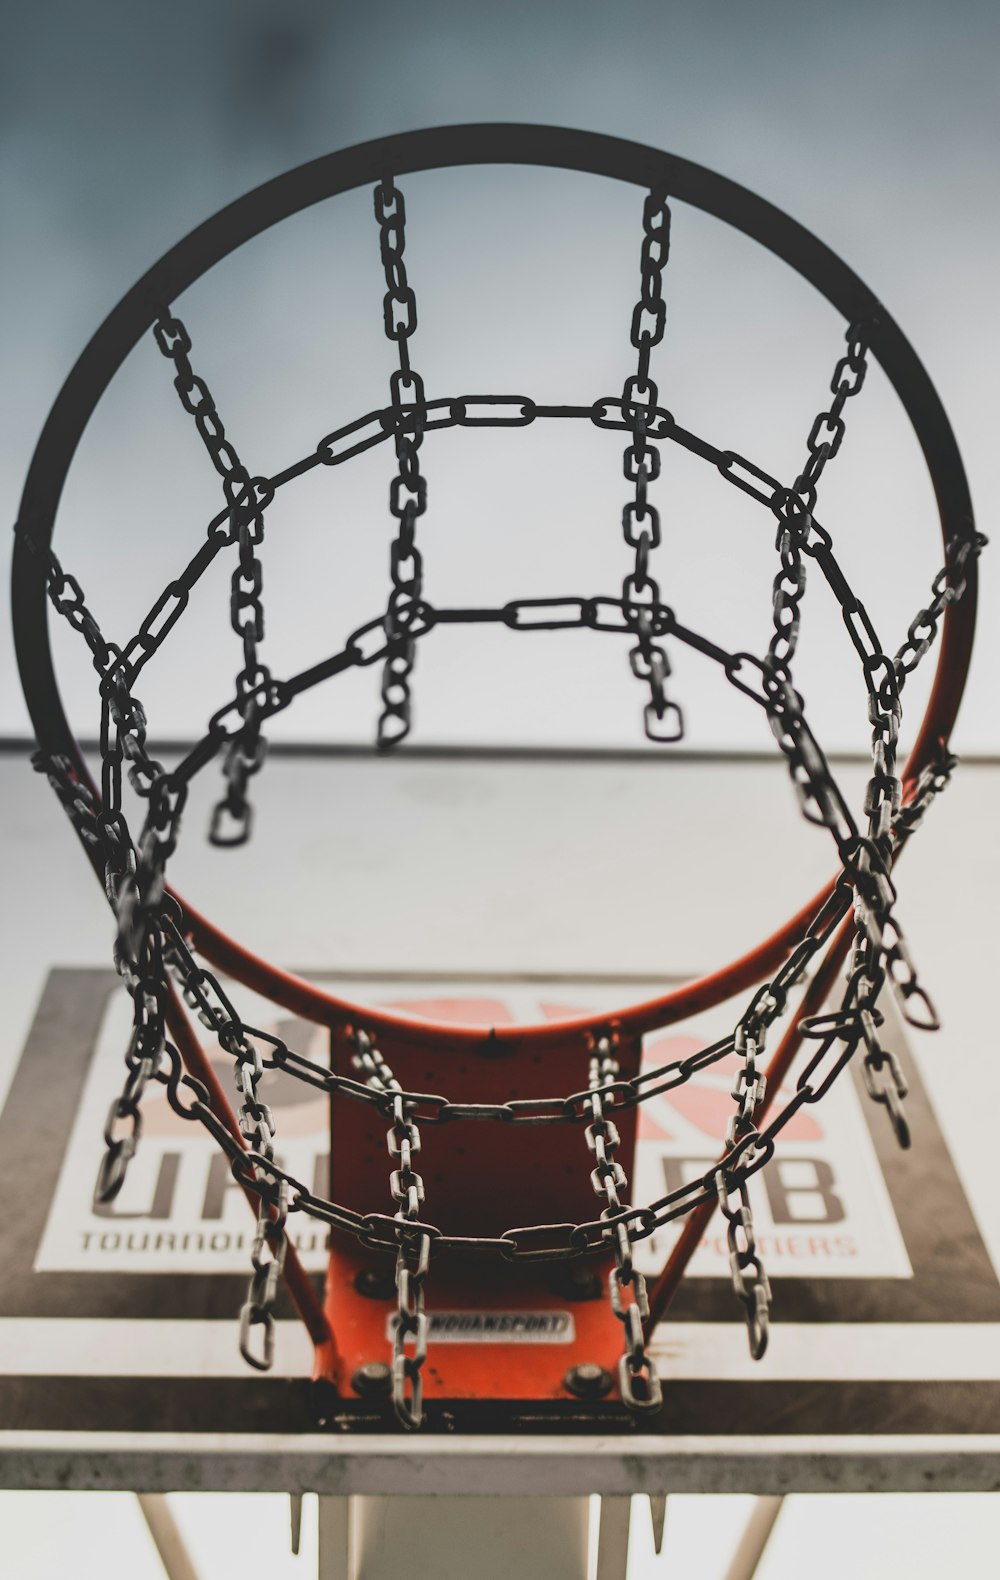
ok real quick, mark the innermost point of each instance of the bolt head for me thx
(372, 1379)
(376, 1283)
(588, 1380)
(584, 1283)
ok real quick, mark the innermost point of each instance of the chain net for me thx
(151, 947)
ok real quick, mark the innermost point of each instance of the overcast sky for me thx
(875, 124)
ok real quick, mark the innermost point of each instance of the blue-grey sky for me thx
(874, 124)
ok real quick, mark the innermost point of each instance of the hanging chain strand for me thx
(133, 875)
(256, 1122)
(135, 884)
(267, 1257)
(638, 1383)
(880, 947)
(749, 1279)
(232, 816)
(408, 493)
(414, 1243)
(796, 510)
(151, 1057)
(879, 943)
(662, 719)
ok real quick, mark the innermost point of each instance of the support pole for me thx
(754, 1539)
(452, 1538)
(169, 1542)
(612, 1541)
(336, 1558)
(658, 1517)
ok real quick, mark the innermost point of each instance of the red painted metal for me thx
(481, 1367)
(480, 1179)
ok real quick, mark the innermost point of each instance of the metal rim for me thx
(367, 163)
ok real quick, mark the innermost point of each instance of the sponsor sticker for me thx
(495, 1327)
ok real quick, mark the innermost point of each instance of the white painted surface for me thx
(491, 1538)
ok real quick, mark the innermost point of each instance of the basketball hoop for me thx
(567, 1122)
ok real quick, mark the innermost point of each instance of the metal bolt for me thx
(374, 1377)
(375, 1283)
(576, 1282)
(588, 1380)
(584, 1284)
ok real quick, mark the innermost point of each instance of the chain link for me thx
(662, 719)
(414, 1243)
(232, 816)
(749, 1279)
(880, 948)
(268, 1259)
(408, 493)
(947, 588)
(147, 940)
(638, 1383)
(796, 509)
(256, 1122)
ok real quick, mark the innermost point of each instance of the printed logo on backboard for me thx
(495, 1327)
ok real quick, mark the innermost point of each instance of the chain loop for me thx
(749, 1279)
(662, 719)
(408, 491)
(638, 1382)
(413, 1241)
(231, 820)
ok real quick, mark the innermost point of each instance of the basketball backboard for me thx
(119, 1357)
